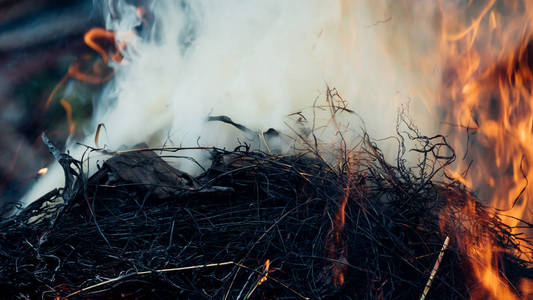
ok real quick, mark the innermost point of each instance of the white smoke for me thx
(257, 62)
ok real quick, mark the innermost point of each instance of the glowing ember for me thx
(42, 171)
(266, 271)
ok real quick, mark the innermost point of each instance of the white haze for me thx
(257, 62)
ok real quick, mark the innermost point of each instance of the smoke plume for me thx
(257, 62)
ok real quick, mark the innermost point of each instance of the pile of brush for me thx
(252, 226)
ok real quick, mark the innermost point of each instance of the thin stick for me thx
(275, 280)
(262, 279)
(150, 272)
(435, 268)
(184, 269)
(169, 149)
(262, 135)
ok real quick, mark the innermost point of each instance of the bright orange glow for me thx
(459, 177)
(488, 88)
(95, 38)
(526, 287)
(339, 281)
(484, 269)
(68, 109)
(92, 37)
(266, 271)
(340, 221)
(42, 171)
(335, 244)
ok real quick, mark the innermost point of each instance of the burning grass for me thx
(259, 226)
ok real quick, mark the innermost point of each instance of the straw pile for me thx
(252, 226)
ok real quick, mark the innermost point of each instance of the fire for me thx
(335, 244)
(42, 171)
(99, 40)
(488, 89)
(266, 271)
(94, 37)
(83, 70)
(497, 286)
(97, 76)
(338, 243)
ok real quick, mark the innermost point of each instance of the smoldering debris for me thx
(254, 225)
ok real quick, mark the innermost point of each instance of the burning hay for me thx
(255, 226)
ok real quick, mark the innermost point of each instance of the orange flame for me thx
(335, 244)
(338, 226)
(266, 271)
(95, 78)
(488, 88)
(97, 39)
(42, 171)
(92, 37)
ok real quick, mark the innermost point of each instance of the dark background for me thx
(39, 39)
